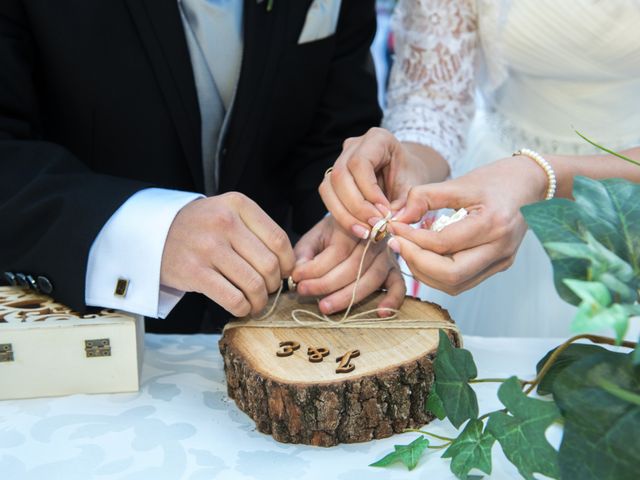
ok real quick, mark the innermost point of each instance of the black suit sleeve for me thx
(349, 107)
(51, 205)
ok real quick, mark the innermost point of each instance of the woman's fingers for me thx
(355, 183)
(450, 273)
(344, 218)
(347, 191)
(472, 231)
(498, 267)
(420, 200)
(354, 192)
(373, 153)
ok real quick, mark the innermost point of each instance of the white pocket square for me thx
(321, 21)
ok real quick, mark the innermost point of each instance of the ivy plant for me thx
(594, 245)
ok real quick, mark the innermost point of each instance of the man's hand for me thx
(484, 243)
(227, 248)
(373, 176)
(327, 262)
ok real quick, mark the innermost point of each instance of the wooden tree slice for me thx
(298, 401)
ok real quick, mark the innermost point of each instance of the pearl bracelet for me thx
(546, 166)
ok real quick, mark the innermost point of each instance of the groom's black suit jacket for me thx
(98, 101)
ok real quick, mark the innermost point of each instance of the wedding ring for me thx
(328, 171)
(379, 230)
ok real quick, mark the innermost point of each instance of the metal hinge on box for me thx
(6, 352)
(97, 348)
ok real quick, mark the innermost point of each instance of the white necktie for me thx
(214, 35)
(217, 26)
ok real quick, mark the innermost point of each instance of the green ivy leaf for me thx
(601, 425)
(595, 293)
(602, 259)
(472, 449)
(454, 367)
(573, 353)
(605, 219)
(434, 404)
(558, 220)
(611, 213)
(621, 291)
(589, 319)
(521, 431)
(407, 454)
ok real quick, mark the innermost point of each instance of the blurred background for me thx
(382, 47)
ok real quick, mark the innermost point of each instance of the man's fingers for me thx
(396, 291)
(472, 231)
(343, 273)
(321, 264)
(254, 252)
(340, 213)
(370, 281)
(308, 246)
(238, 271)
(268, 231)
(223, 292)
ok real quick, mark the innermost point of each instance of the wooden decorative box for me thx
(46, 349)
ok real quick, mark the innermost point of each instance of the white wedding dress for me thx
(477, 80)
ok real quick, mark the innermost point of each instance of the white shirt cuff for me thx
(129, 247)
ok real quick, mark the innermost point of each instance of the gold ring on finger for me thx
(379, 230)
(291, 284)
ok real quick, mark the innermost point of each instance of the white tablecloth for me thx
(182, 425)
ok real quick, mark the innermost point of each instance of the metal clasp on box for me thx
(100, 347)
(6, 352)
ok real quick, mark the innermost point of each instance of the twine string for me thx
(367, 319)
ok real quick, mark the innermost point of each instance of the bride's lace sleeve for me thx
(430, 96)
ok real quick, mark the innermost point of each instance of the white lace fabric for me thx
(541, 68)
(430, 98)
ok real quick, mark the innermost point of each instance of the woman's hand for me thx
(327, 262)
(484, 243)
(373, 175)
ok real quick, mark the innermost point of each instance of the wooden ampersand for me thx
(345, 366)
(288, 347)
(317, 354)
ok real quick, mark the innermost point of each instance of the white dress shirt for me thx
(131, 243)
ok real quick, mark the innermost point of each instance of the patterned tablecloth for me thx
(182, 425)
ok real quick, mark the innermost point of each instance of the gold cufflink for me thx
(121, 287)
